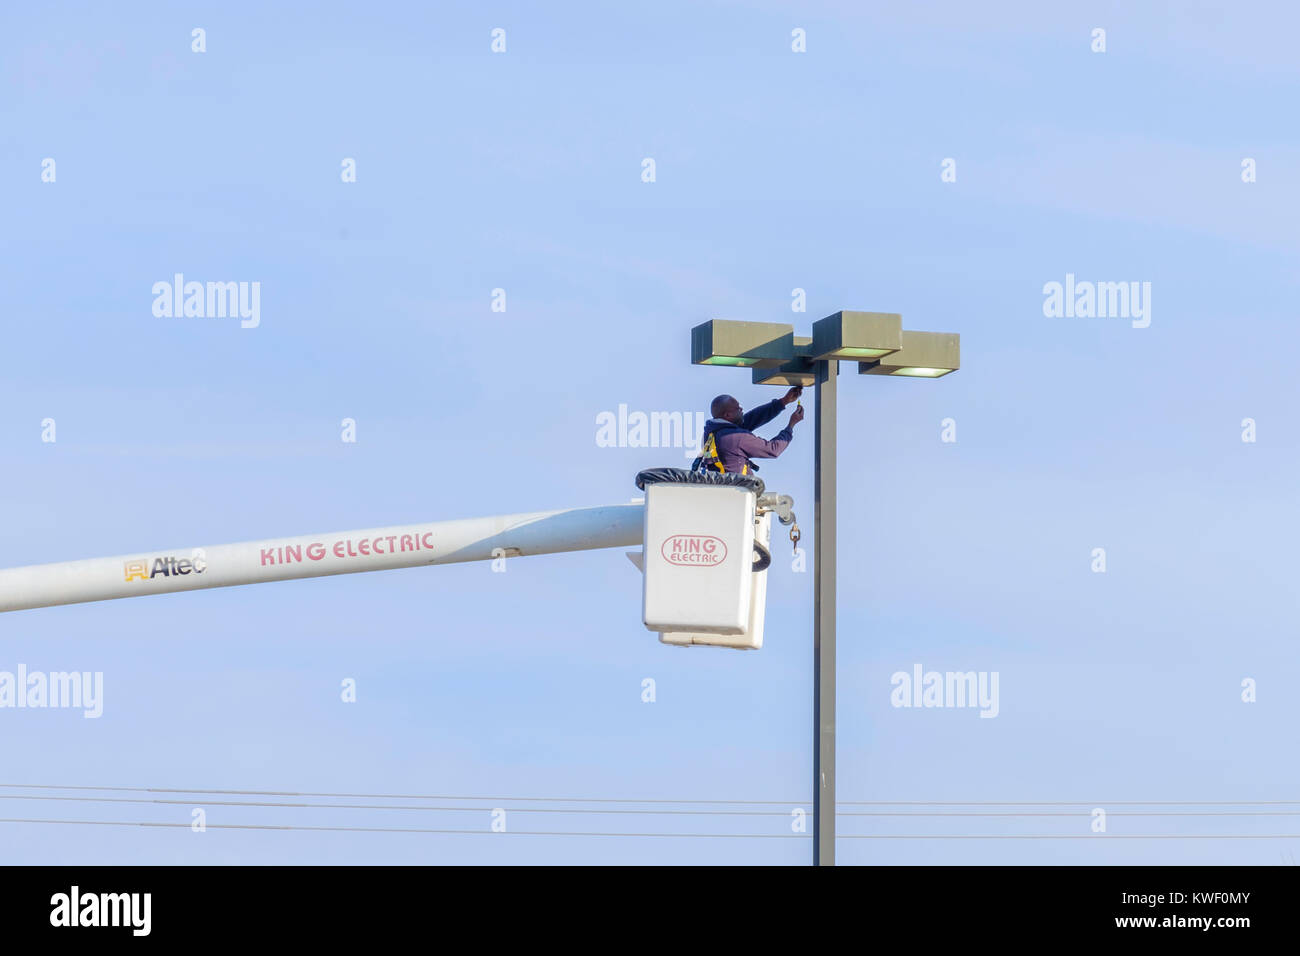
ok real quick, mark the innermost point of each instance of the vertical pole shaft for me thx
(824, 520)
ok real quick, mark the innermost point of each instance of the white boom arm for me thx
(309, 556)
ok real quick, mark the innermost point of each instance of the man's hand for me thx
(791, 395)
(797, 417)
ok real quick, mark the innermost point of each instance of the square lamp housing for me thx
(857, 336)
(923, 355)
(801, 371)
(743, 344)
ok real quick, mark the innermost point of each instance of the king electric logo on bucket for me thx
(694, 550)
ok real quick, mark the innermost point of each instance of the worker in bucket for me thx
(729, 441)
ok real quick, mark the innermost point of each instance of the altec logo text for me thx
(694, 550)
(167, 567)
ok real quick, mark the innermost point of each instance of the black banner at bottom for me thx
(334, 904)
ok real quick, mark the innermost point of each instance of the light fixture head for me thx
(857, 336)
(744, 344)
(923, 355)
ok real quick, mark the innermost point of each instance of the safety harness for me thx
(709, 459)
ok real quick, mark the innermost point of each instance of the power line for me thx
(1075, 814)
(1100, 838)
(398, 796)
(659, 800)
(391, 806)
(655, 812)
(1063, 803)
(719, 836)
(254, 826)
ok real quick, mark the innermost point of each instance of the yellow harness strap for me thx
(712, 458)
(711, 454)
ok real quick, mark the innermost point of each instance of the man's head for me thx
(726, 408)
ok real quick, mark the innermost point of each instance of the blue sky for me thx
(775, 170)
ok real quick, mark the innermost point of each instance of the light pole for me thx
(824, 528)
(877, 341)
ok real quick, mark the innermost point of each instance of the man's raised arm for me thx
(756, 418)
(754, 447)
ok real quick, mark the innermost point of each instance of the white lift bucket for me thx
(751, 638)
(700, 586)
